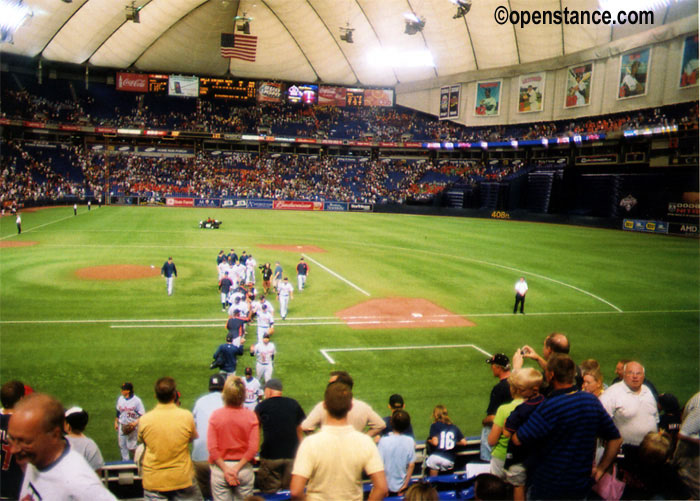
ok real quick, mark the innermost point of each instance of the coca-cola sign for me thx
(132, 82)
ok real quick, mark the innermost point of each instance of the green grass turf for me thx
(467, 266)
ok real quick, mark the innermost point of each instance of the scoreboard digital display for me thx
(158, 84)
(355, 97)
(226, 88)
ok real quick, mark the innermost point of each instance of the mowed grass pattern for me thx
(579, 278)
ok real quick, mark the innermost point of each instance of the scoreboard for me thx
(226, 88)
(158, 84)
(355, 97)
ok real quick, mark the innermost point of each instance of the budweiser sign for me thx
(132, 82)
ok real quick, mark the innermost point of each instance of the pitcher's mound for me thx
(400, 313)
(17, 243)
(118, 272)
(293, 248)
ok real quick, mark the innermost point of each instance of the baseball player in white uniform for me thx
(238, 274)
(253, 390)
(237, 303)
(264, 353)
(265, 322)
(256, 305)
(285, 292)
(129, 410)
(223, 267)
(250, 265)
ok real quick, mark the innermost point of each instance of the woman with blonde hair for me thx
(232, 440)
(593, 382)
(444, 436)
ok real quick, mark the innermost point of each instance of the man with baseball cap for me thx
(500, 394)
(281, 419)
(225, 355)
(203, 407)
(129, 409)
(253, 389)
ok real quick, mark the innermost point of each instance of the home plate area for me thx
(400, 313)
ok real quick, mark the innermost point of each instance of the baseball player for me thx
(238, 274)
(256, 305)
(129, 410)
(265, 322)
(225, 285)
(237, 303)
(253, 390)
(250, 265)
(223, 267)
(19, 223)
(520, 291)
(169, 271)
(264, 353)
(235, 325)
(285, 292)
(302, 273)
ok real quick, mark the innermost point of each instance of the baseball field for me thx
(406, 304)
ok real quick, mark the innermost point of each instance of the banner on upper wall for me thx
(379, 97)
(531, 92)
(634, 73)
(488, 98)
(578, 85)
(270, 92)
(689, 62)
(455, 92)
(444, 102)
(331, 96)
(132, 82)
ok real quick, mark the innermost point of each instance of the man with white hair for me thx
(632, 405)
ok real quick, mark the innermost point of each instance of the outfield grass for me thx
(615, 294)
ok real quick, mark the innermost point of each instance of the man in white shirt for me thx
(632, 405)
(520, 291)
(55, 471)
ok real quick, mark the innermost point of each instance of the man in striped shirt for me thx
(563, 432)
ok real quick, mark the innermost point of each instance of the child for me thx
(528, 382)
(76, 419)
(398, 452)
(444, 437)
(497, 438)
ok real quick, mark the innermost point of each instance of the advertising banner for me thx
(296, 205)
(682, 209)
(531, 92)
(645, 226)
(260, 204)
(444, 102)
(578, 85)
(361, 207)
(180, 202)
(488, 99)
(379, 97)
(183, 86)
(686, 230)
(132, 82)
(207, 202)
(634, 73)
(335, 206)
(689, 62)
(455, 92)
(270, 92)
(331, 96)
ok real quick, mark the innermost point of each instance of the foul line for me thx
(37, 227)
(336, 275)
(325, 351)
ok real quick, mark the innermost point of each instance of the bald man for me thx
(55, 471)
(632, 405)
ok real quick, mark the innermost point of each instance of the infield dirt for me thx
(117, 272)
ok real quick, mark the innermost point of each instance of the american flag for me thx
(239, 46)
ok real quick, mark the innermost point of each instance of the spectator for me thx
(593, 382)
(55, 471)
(398, 452)
(491, 487)
(203, 408)
(632, 405)
(670, 415)
(500, 394)
(687, 455)
(564, 428)
(395, 403)
(554, 343)
(421, 491)
(331, 461)
(232, 440)
(620, 373)
(280, 418)
(166, 432)
(76, 420)
(360, 414)
(444, 437)
(11, 473)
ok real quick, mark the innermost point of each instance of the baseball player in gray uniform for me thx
(264, 353)
(285, 292)
(265, 323)
(253, 390)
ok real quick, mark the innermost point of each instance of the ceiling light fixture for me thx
(346, 33)
(242, 23)
(414, 24)
(463, 7)
(13, 13)
(132, 13)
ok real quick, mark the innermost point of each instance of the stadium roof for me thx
(299, 40)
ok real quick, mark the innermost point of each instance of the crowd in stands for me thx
(55, 171)
(102, 105)
(551, 431)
